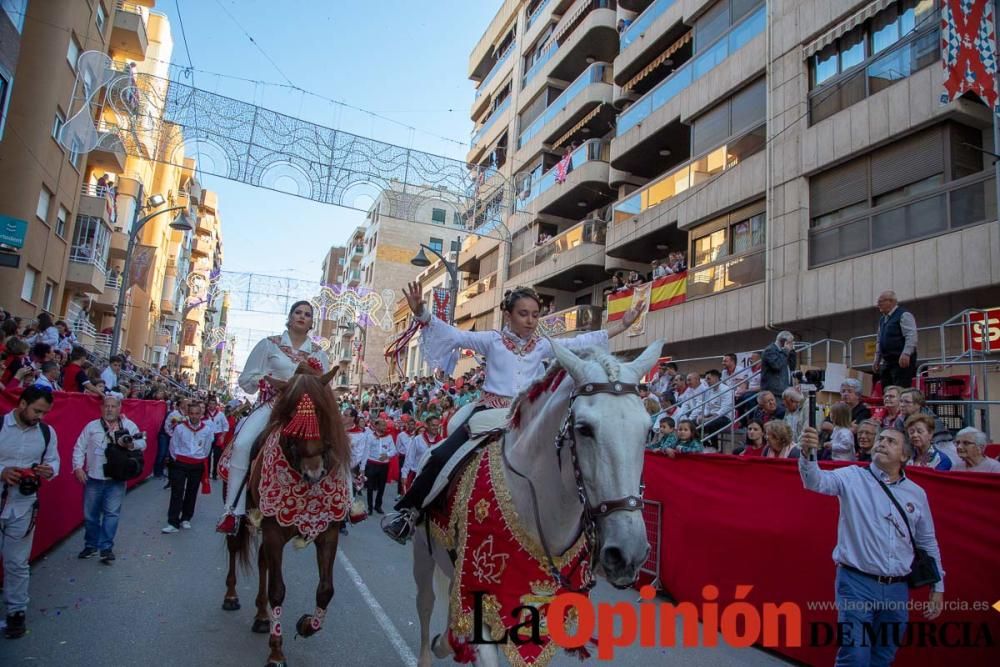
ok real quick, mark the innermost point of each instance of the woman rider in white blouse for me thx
(274, 357)
(513, 359)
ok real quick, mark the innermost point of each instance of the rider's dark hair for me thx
(511, 297)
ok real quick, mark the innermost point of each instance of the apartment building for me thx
(204, 314)
(796, 151)
(377, 261)
(332, 272)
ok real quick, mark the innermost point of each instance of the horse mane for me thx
(554, 375)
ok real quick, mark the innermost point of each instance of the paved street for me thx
(160, 603)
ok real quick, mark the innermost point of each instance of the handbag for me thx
(924, 570)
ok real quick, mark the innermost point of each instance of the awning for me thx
(569, 22)
(659, 60)
(466, 325)
(586, 119)
(845, 26)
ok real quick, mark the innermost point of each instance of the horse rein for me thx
(590, 512)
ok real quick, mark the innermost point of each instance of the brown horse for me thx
(319, 473)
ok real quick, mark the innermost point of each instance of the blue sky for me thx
(402, 59)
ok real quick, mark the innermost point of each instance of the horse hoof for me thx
(231, 604)
(283, 663)
(304, 627)
(261, 627)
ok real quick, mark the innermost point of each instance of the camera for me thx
(123, 438)
(813, 377)
(29, 483)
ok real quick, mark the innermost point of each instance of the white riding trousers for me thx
(239, 462)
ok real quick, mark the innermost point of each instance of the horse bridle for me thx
(591, 512)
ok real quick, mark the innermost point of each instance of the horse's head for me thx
(609, 425)
(321, 445)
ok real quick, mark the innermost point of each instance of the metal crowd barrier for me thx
(652, 513)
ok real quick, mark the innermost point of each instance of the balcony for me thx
(167, 307)
(109, 154)
(489, 130)
(128, 33)
(649, 35)
(86, 272)
(97, 203)
(585, 34)
(571, 321)
(583, 188)
(107, 301)
(210, 200)
(483, 89)
(82, 328)
(570, 261)
(201, 247)
(591, 89)
(477, 298)
(188, 361)
(692, 71)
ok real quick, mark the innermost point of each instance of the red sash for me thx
(206, 486)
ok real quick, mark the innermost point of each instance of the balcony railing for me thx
(493, 70)
(689, 175)
(571, 320)
(643, 21)
(489, 121)
(533, 16)
(539, 63)
(737, 272)
(588, 231)
(480, 286)
(597, 72)
(85, 254)
(113, 281)
(693, 70)
(593, 150)
(80, 326)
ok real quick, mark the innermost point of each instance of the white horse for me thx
(605, 416)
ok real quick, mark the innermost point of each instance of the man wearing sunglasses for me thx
(875, 551)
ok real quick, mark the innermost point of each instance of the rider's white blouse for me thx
(268, 359)
(512, 364)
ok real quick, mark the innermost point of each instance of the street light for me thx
(420, 259)
(181, 223)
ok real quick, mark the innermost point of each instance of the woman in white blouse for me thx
(513, 359)
(275, 357)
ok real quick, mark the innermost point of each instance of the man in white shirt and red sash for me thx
(380, 449)
(418, 445)
(190, 447)
(216, 419)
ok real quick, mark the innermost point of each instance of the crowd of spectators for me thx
(675, 262)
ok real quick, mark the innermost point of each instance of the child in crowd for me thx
(665, 437)
(686, 442)
(842, 438)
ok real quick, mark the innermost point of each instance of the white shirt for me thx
(403, 442)
(419, 444)
(50, 337)
(194, 442)
(867, 539)
(661, 383)
(986, 465)
(359, 445)
(218, 422)
(717, 401)
(507, 371)
(173, 419)
(378, 447)
(22, 448)
(842, 444)
(90, 446)
(689, 402)
(43, 381)
(110, 378)
(268, 359)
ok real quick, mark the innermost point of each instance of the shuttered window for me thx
(838, 188)
(908, 161)
(489, 263)
(750, 107)
(710, 130)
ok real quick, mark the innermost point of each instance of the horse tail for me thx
(241, 545)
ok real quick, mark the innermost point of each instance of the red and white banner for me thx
(442, 298)
(968, 50)
(984, 331)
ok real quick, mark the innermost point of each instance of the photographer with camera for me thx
(29, 453)
(106, 455)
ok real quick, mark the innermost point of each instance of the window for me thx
(100, 17)
(743, 111)
(711, 24)
(73, 52)
(15, 10)
(728, 252)
(919, 186)
(57, 125)
(456, 246)
(28, 286)
(5, 83)
(436, 244)
(44, 200)
(91, 242)
(50, 290)
(439, 216)
(62, 215)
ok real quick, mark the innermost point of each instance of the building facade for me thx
(795, 151)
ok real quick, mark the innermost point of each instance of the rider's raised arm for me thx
(255, 367)
(441, 342)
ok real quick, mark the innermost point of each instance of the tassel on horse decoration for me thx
(304, 424)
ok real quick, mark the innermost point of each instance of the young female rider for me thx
(513, 359)
(275, 357)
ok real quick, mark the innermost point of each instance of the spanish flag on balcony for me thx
(618, 305)
(668, 291)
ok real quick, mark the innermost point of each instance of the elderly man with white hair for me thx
(778, 362)
(796, 415)
(971, 446)
(895, 343)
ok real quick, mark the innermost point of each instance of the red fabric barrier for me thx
(61, 500)
(729, 520)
